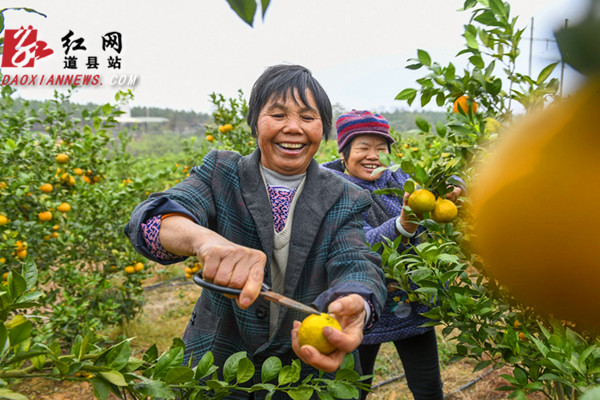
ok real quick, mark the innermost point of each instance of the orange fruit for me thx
(225, 128)
(3, 220)
(64, 207)
(22, 253)
(87, 179)
(62, 158)
(517, 325)
(45, 216)
(78, 171)
(421, 201)
(5, 276)
(46, 188)
(2, 185)
(130, 269)
(444, 211)
(210, 138)
(534, 209)
(311, 332)
(462, 104)
(522, 336)
(138, 267)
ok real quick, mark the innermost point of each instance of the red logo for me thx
(21, 48)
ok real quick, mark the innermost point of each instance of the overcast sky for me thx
(180, 51)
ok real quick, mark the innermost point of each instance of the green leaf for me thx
(30, 273)
(440, 99)
(342, 390)
(347, 374)
(170, 359)
(420, 175)
(114, 377)
(245, 370)
(440, 128)
(203, 369)
(422, 124)
(482, 365)
(347, 362)
(177, 375)
(245, 9)
(264, 4)
(407, 167)
(270, 369)
(520, 376)
(151, 354)
(300, 393)
(477, 61)
(487, 18)
(497, 6)
(8, 394)
(118, 356)
(20, 333)
(155, 390)
(471, 40)
(286, 375)
(424, 57)
(16, 285)
(101, 388)
(407, 94)
(546, 73)
(231, 366)
(409, 186)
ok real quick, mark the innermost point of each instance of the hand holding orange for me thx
(311, 332)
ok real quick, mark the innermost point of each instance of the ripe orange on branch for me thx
(45, 216)
(64, 207)
(46, 188)
(225, 128)
(421, 201)
(444, 211)
(528, 233)
(462, 104)
(62, 158)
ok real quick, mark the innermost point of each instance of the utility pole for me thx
(530, 46)
(562, 64)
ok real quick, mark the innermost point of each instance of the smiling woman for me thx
(273, 216)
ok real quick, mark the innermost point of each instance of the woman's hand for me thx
(350, 313)
(454, 194)
(224, 262)
(408, 220)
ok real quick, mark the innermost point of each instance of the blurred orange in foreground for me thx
(536, 210)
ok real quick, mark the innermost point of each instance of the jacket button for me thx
(261, 312)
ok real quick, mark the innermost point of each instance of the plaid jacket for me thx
(328, 255)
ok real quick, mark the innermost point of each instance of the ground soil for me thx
(173, 303)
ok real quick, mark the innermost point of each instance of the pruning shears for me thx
(266, 292)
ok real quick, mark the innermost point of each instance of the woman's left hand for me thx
(350, 313)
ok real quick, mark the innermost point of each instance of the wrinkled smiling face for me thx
(364, 156)
(289, 133)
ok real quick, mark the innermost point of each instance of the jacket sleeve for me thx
(353, 268)
(192, 197)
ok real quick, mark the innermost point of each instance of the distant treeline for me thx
(190, 123)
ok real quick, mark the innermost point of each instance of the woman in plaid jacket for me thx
(274, 216)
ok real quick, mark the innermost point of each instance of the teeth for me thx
(291, 145)
(371, 166)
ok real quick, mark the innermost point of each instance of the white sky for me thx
(358, 50)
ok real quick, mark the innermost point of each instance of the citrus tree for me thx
(546, 355)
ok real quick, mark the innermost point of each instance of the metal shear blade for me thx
(266, 292)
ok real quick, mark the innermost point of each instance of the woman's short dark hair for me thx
(278, 81)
